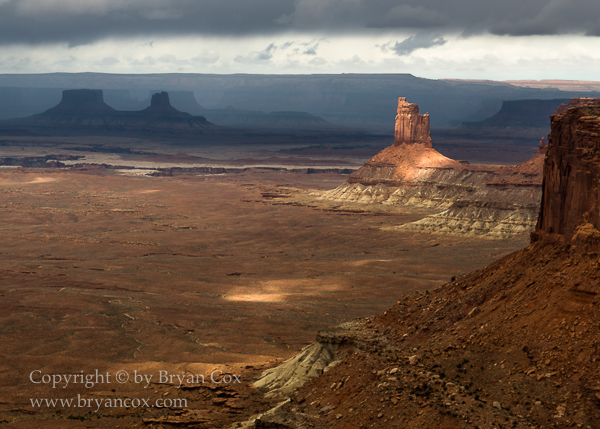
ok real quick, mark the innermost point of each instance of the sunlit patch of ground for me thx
(258, 297)
(9, 180)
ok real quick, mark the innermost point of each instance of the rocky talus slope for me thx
(478, 200)
(516, 344)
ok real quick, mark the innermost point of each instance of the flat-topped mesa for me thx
(411, 127)
(570, 208)
(574, 102)
(82, 100)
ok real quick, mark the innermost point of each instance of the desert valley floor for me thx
(186, 274)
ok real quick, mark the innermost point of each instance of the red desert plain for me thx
(194, 275)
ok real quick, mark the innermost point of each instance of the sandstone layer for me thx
(481, 200)
(516, 344)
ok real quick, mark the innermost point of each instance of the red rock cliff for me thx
(411, 127)
(571, 189)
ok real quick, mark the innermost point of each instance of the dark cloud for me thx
(555, 17)
(258, 57)
(82, 21)
(418, 41)
(79, 22)
(406, 16)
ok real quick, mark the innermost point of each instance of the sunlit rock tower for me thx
(411, 127)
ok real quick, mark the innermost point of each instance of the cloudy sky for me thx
(478, 39)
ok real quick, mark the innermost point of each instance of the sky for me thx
(465, 39)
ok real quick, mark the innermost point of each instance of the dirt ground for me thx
(187, 275)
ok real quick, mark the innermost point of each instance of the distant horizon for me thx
(544, 80)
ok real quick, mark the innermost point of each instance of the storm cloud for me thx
(78, 22)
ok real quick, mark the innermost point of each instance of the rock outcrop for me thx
(411, 127)
(475, 200)
(515, 344)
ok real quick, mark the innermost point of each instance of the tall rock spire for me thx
(411, 127)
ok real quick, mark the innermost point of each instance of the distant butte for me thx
(84, 111)
(77, 101)
(160, 104)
